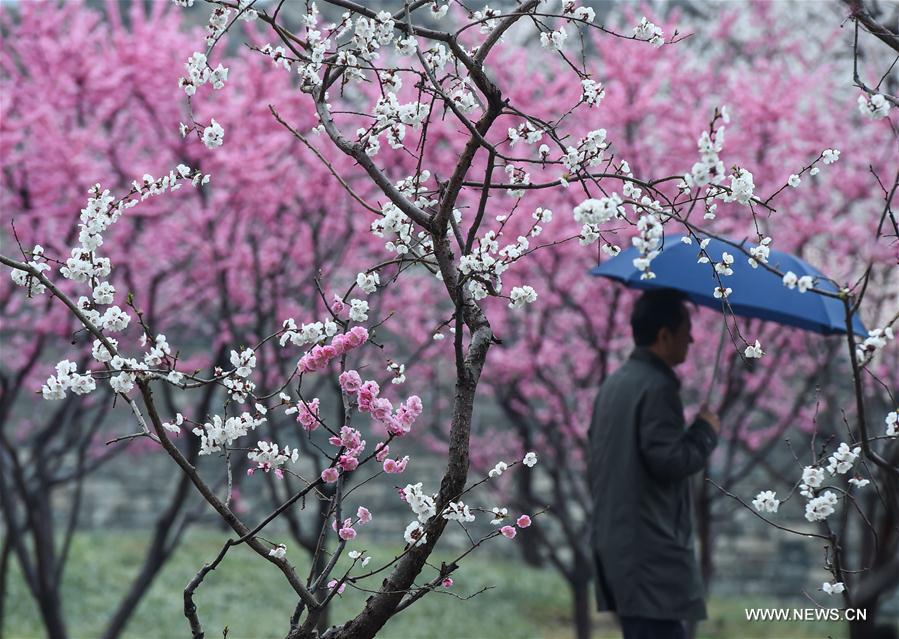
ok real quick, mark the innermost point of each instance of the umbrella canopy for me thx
(757, 292)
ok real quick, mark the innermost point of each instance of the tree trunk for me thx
(703, 512)
(581, 606)
(869, 629)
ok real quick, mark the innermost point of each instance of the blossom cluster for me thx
(876, 341)
(199, 73)
(367, 398)
(267, 456)
(319, 357)
(646, 30)
(220, 433)
(821, 503)
(21, 278)
(874, 107)
(67, 378)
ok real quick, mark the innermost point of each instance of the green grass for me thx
(251, 598)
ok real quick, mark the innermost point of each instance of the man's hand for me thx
(710, 417)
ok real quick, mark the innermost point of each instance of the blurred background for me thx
(99, 539)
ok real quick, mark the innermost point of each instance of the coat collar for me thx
(643, 354)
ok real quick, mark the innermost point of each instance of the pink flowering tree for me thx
(554, 355)
(509, 160)
(72, 122)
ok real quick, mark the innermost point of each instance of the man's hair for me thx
(654, 310)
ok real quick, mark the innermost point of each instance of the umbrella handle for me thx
(708, 394)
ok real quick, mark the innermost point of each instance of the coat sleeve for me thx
(669, 451)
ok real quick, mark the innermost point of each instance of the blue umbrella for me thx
(757, 292)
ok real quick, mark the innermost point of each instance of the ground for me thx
(250, 598)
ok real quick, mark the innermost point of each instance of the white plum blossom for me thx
(156, 354)
(82, 384)
(754, 351)
(421, 504)
(457, 511)
(238, 388)
(530, 459)
(174, 427)
(498, 514)
(760, 253)
(414, 534)
(812, 476)
(398, 371)
(859, 482)
(820, 508)
(358, 310)
(218, 22)
(766, 501)
(741, 187)
(542, 215)
(599, 211)
(438, 10)
(222, 432)
(489, 17)
(278, 552)
(830, 156)
(555, 39)
(649, 239)
(122, 383)
(99, 351)
(243, 362)
(522, 295)
(84, 265)
(842, 459)
(790, 279)
(793, 180)
(892, 422)
(115, 319)
(197, 73)
(498, 470)
(710, 168)
(589, 151)
(593, 92)
(213, 135)
(804, 283)
(464, 100)
(877, 339)
(407, 45)
(577, 13)
(368, 282)
(67, 378)
(103, 293)
(218, 77)
(874, 107)
(646, 30)
(307, 334)
(268, 456)
(722, 292)
(724, 266)
(833, 588)
(21, 278)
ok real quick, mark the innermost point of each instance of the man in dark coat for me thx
(640, 461)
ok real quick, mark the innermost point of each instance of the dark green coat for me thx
(640, 461)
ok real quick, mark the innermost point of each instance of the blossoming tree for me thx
(420, 74)
(554, 356)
